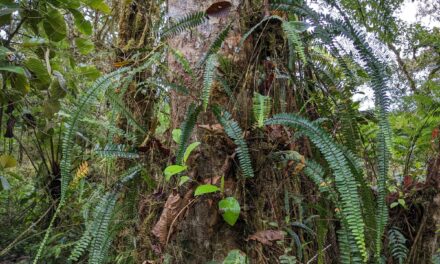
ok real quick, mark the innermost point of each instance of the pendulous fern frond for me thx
(187, 22)
(116, 151)
(208, 79)
(396, 243)
(292, 33)
(346, 183)
(187, 128)
(261, 108)
(216, 44)
(234, 131)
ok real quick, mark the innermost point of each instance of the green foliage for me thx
(173, 170)
(346, 183)
(186, 130)
(116, 151)
(230, 209)
(208, 78)
(187, 22)
(261, 108)
(216, 44)
(205, 188)
(236, 257)
(234, 131)
(397, 245)
(292, 30)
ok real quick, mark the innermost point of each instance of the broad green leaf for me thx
(7, 161)
(4, 184)
(236, 257)
(20, 84)
(14, 69)
(98, 5)
(38, 68)
(54, 25)
(189, 149)
(176, 135)
(173, 170)
(89, 72)
(85, 46)
(84, 26)
(34, 42)
(183, 179)
(231, 210)
(51, 107)
(206, 188)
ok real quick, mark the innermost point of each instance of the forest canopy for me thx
(190, 131)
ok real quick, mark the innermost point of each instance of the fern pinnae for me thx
(187, 128)
(216, 44)
(116, 151)
(208, 79)
(294, 39)
(119, 105)
(250, 31)
(261, 108)
(397, 245)
(186, 22)
(344, 179)
(234, 131)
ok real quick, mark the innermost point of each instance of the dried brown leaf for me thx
(170, 211)
(267, 236)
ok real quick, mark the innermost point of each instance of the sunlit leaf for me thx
(173, 170)
(206, 188)
(230, 208)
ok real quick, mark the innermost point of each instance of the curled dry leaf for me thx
(172, 207)
(216, 128)
(219, 9)
(267, 236)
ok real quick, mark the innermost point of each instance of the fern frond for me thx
(187, 22)
(208, 79)
(234, 131)
(119, 105)
(180, 58)
(292, 33)
(116, 151)
(346, 183)
(261, 108)
(216, 44)
(100, 227)
(81, 245)
(397, 245)
(187, 128)
(165, 86)
(81, 172)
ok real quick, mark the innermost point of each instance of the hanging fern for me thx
(216, 44)
(208, 79)
(345, 181)
(97, 236)
(397, 245)
(186, 128)
(119, 106)
(292, 33)
(261, 108)
(116, 151)
(234, 131)
(187, 22)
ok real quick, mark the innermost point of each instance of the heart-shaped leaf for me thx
(231, 210)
